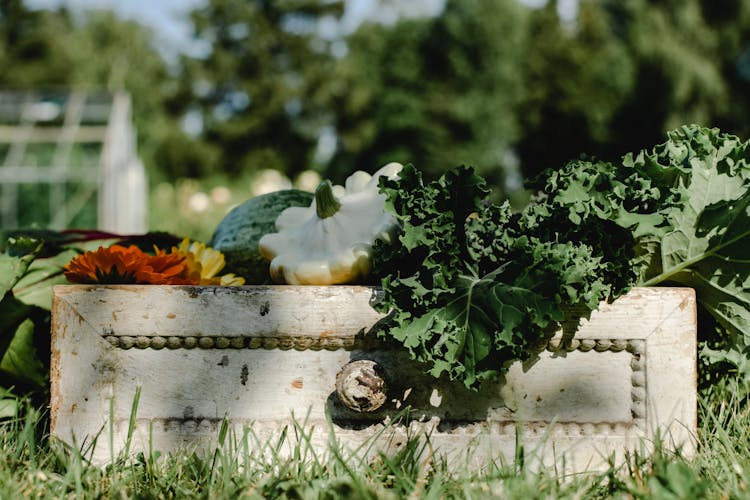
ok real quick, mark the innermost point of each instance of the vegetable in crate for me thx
(473, 287)
(237, 235)
(330, 241)
(703, 237)
(687, 204)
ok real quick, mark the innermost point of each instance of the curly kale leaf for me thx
(473, 287)
(595, 204)
(686, 204)
(703, 243)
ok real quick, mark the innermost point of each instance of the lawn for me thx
(32, 466)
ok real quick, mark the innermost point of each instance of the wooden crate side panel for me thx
(258, 311)
(621, 377)
(82, 371)
(637, 314)
(672, 376)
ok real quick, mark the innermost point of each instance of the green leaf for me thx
(20, 359)
(703, 243)
(12, 312)
(35, 287)
(8, 407)
(15, 262)
(472, 287)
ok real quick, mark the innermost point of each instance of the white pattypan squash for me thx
(330, 241)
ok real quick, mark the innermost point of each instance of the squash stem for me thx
(326, 203)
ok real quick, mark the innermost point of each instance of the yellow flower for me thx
(230, 279)
(204, 264)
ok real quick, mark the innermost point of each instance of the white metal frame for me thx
(119, 179)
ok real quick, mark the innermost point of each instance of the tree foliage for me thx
(43, 49)
(627, 72)
(491, 84)
(436, 92)
(263, 90)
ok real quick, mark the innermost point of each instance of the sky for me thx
(170, 22)
(169, 18)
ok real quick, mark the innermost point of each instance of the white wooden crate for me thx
(255, 355)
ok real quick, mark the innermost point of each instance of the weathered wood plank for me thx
(256, 311)
(256, 354)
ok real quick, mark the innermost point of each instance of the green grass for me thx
(33, 466)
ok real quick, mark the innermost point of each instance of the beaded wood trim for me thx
(636, 347)
(543, 430)
(303, 343)
(219, 342)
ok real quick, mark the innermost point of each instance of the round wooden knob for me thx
(361, 386)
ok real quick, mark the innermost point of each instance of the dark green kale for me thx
(473, 287)
(704, 177)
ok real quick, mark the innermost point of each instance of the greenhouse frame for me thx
(69, 160)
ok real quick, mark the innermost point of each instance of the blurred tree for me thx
(730, 23)
(278, 86)
(263, 90)
(625, 73)
(93, 51)
(436, 92)
(678, 70)
(576, 80)
(381, 111)
(107, 52)
(29, 52)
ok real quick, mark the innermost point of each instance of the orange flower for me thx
(170, 269)
(120, 265)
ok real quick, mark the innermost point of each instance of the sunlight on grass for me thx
(245, 466)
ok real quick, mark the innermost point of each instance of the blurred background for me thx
(163, 115)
